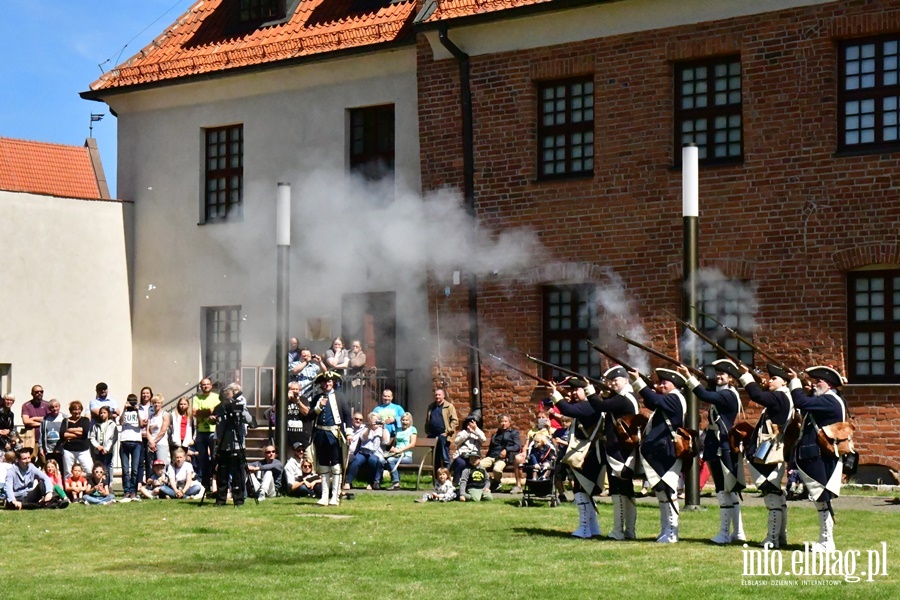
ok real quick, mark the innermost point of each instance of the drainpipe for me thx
(469, 193)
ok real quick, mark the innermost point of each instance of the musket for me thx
(659, 354)
(596, 382)
(615, 359)
(744, 341)
(706, 339)
(507, 365)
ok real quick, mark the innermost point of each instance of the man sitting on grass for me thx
(28, 487)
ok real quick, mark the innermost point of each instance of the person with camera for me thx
(130, 442)
(370, 452)
(330, 415)
(230, 458)
(306, 370)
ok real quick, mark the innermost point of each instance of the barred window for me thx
(708, 109)
(222, 359)
(870, 94)
(874, 326)
(261, 10)
(570, 319)
(566, 128)
(732, 303)
(223, 198)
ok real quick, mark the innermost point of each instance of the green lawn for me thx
(386, 546)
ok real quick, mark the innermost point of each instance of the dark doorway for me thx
(372, 319)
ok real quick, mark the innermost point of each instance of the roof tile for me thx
(47, 169)
(453, 9)
(201, 40)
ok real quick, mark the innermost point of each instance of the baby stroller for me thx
(541, 482)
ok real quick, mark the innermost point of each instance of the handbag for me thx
(578, 449)
(628, 430)
(686, 442)
(835, 439)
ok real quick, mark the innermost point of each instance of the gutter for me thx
(474, 368)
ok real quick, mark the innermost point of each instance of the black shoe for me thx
(239, 503)
(376, 485)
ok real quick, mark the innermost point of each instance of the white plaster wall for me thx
(64, 297)
(294, 121)
(601, 20)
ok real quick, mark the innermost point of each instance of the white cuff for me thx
(692, 382)
(639, 384)
(795, 384)
(589, 390)
(746, 378)
(556, 397)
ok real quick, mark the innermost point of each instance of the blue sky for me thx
(50, 51)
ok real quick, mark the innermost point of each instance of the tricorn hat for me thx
(776, 371)
(828, 374)
(616, 371)
(670, 375)
(724, 365)
(326, 375)
(576, 382)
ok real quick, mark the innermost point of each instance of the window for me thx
(733, 303)
(372, 141)
(874, 326)
(566, 128)
(222, 359)
(708, 109)
(252, 11)
(224, 174)
(869, 94)
(570, 319)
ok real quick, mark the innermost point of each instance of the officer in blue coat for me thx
(725, 463)
(820, 471)
(661, 467)
(768, 472)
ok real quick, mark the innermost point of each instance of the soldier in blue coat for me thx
(725, 463)
(620, 464)
(768, 473)
(330, 413)
(821, 472)
(661, 467)
(585, 426)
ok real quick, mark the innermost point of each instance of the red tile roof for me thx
(48, 169)
(453, 9)
(202, 41)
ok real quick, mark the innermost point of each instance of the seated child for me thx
(76, 484)
(541, 458)
(443, 488)
(52, 471)
(474, 483)
(156, 482)
(542, 427)
(182, 474)
(9, 458)
(98, 491)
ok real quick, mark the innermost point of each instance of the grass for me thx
(386, 546)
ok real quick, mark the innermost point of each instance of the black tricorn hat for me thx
(617, 371)
(576, 382)
(826, 374)
(670, 375)
(326, 375)
(724, 365)
(776, 371)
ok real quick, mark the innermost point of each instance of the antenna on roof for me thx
(95, 117)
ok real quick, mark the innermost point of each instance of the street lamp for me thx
(690, 215)
(282, 307)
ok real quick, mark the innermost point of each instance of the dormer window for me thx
(254, 11)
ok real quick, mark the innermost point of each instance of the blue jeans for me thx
(130, 455)
(372, 461)
(205, 443)
(191, 491)
(99, 499)
(392, 461)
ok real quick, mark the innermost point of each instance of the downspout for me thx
(469, 193)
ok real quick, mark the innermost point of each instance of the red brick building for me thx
(578, 115)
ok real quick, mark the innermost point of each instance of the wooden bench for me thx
(422, 459)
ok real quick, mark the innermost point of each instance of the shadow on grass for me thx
(550, 533)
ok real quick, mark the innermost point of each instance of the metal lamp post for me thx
(282, 304)
(690, 216)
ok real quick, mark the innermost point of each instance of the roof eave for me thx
(507, 13)
(408, 39)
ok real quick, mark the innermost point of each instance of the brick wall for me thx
(793, 216)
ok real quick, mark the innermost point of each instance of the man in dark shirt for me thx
(33, 412)
(441, 423)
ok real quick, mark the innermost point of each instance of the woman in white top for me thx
(182, 428)
(158, 431)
